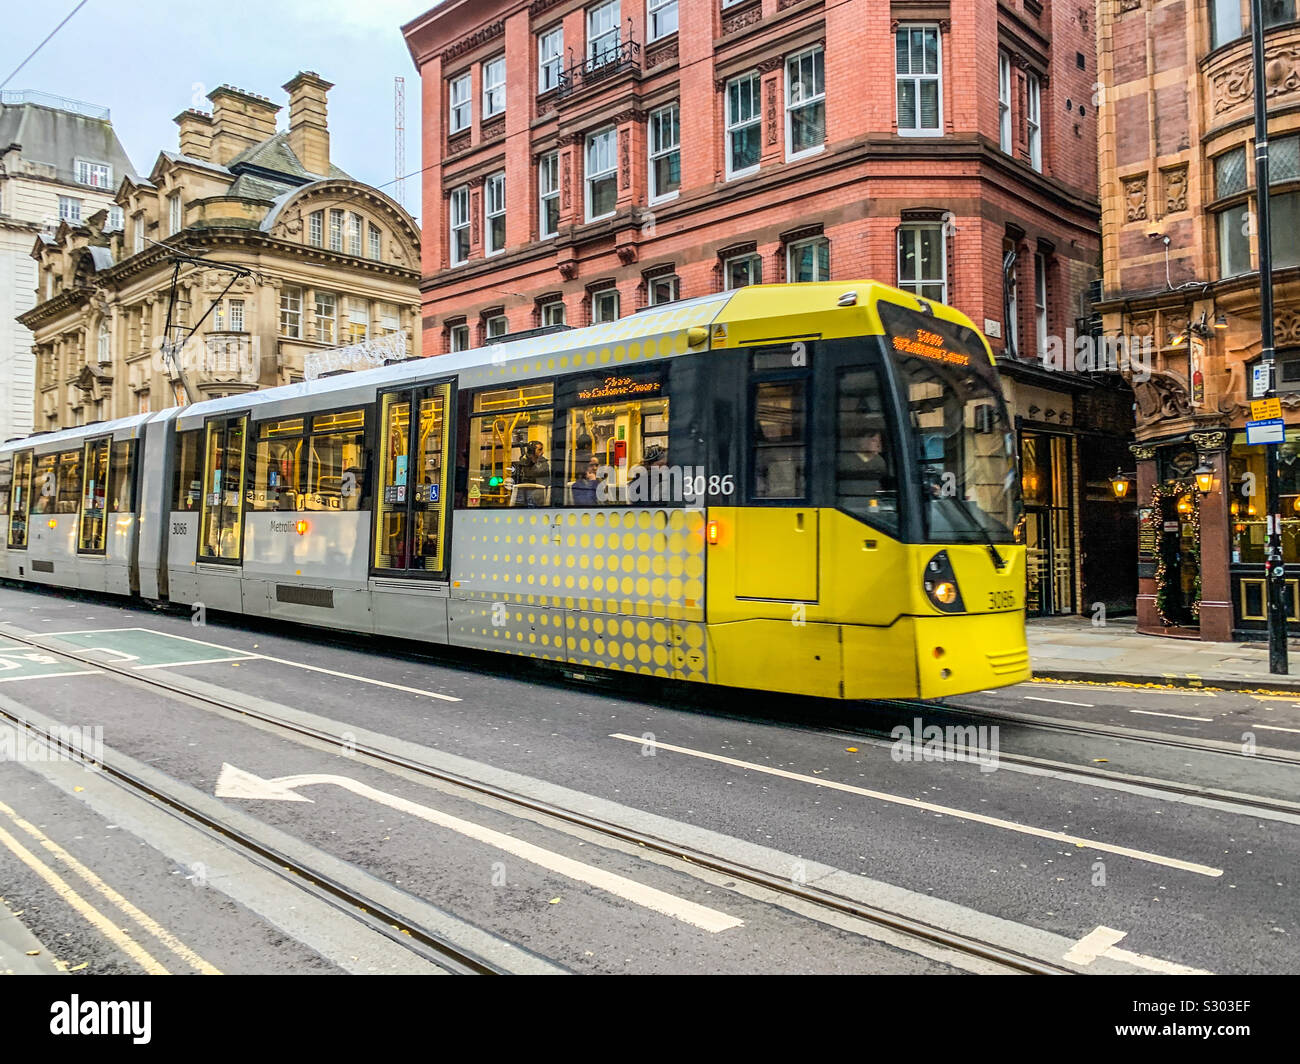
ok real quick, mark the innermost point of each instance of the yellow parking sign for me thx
(1264, 409)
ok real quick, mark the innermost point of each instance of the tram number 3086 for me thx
(1002, 600)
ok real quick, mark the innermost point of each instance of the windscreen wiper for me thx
(998, 561)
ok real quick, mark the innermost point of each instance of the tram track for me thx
(434, 945)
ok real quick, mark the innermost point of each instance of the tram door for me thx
(411, 507)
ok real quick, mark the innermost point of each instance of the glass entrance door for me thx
(410, 522)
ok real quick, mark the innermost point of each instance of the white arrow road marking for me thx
(236, 783)
(913, 803)
(1100, 942)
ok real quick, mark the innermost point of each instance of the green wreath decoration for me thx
(1163, 579)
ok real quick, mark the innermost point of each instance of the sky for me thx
(148, 60)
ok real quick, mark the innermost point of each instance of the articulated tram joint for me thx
(941, 584)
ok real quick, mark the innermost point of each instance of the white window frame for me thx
(496, 326)
(458, 219)
(658, 150)
(674, 287)
(460, 103)
(458, 338)
(390, 319)
(1005, 139)
(756, 118)
(327, 310)
(374, 242)
(357, 310)
(291, 312)
(756, 270)
(175, 214)
(792, 105)
(604, 297)
(597, 36)
(115, 219)
(793, 250)
(548, 188)
(1040, 302)
(93, 174)
(236, 315)
(70, 209)
(917, 79)
(914, 286)
(594, 141)
(104, 344)
(550, 58)
(356, 230)
(494, 206)
(548, 315)
(1034, 118)
(316, 229)
(336, 229)
(138, 238)
(657, 12)
(494, 86)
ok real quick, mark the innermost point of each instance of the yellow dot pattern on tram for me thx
(625, 586)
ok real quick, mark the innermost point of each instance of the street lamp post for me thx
(1274, 570)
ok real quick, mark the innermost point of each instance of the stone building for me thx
(59, 161)
(1181, 272)
(261, 254)
(586, 159)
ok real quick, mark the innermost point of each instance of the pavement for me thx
(1073, 648)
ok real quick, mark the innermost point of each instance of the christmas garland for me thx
(1158, 494)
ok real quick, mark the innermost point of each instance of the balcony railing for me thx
(621, 53)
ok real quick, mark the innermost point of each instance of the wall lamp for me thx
(1119, 483)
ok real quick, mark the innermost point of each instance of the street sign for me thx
(1270, 431)
(1259, 381)
(1266, 409)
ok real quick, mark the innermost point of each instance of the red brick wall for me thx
(855, 188)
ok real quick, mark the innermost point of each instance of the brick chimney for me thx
(196, 134)
(239, 120)
(309, 134)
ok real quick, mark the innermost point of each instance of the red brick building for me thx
(587, 159)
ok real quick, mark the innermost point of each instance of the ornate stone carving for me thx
(1175, 189)
(1129, 5)
(1235, 85)
(1164, 395)
(625, 156)
(466, 44)
(475, 196)
(1135, 197)
(494, 129)
(1142, 452)
(627, 254)
(1286, 325)
(568, 269)
(771, 111)
(738, 20)
(769, 65)
(1210, 441)
(666, 53)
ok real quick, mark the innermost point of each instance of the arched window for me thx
(105, 343)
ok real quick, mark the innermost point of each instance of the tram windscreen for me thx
(963, 445)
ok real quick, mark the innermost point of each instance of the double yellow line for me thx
(117, 935)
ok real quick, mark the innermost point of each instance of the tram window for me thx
(20, 500)
(866, 482)
(69, 483)
(121, 479)
(336, 462)
(221, 534)
(6, 482)
(45, 484)
(780, 439)
(277, 465)
(94, 523)
(188, 489)
(510, 442)
(616, 443)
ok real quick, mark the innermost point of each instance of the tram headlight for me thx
(941, 584)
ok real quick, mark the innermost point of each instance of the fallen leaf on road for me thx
(33, 953)
(1102, 760)
(851, 749)
(554, 901)
(77, 968)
